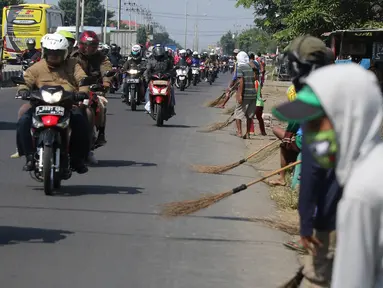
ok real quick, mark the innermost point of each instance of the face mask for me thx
(323, 147)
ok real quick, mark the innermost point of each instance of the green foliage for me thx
(287, 19)
(227, 43)
(93, 16)
(141, 35)
(4, 3)
(256, 40)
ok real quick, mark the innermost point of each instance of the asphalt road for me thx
(103, 229)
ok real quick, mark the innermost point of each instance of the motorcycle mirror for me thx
(95, 87)
(109, 73)
(18, 80)
(88, 81)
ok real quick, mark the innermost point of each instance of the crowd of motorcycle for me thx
(54, 117)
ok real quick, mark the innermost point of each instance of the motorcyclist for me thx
(158, 64)
(114, 56)
(31, 53)
(195, 58)
(71, 40)
(55, 69)
(135, 60)
(94, 63)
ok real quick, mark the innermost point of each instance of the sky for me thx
(214, 17)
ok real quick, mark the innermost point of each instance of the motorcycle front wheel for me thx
(49, 173)
(133, 103)
(160, 115)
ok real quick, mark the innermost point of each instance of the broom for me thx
(232, 92)
(295, 281)
(218, 125)
(190, 206)
(229, 111)
(224, 168)
(215, 102)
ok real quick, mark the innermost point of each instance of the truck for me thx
(125, 39)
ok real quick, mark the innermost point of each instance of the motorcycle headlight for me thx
(133, 71)
(184, 72)
(51, 98)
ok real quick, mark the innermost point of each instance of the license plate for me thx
(182, 77)
(50, 110)
(132, 80)
(195, 71)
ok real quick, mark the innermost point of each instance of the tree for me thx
(141, 35)
(287, 19)
(94, 12)
(269, 14)
(4, 3)
(227, 43)
(256, 40)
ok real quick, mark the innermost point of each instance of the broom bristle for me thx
(183, 208)
(217, 126)
(214, 102)
(229, 111)
(214, 169)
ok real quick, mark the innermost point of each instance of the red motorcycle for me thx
(160, 98)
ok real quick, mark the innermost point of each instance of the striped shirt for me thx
(247, 73)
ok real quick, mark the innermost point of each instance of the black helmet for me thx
(188, 52)
(159, 52)
(31, 44)
(113, 48)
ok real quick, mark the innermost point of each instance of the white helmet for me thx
(136, 51)
(182, 51)
(55, 42)
(195, 53)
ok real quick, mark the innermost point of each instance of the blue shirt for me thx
(319, 195)
(195, 61)
(235, 76)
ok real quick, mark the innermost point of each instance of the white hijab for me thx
(242, 58)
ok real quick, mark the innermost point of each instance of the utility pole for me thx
(77, 18)
(186, 21)
(82, 14)
(118, 14)
(106, 20)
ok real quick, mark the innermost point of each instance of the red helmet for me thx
(88, 43)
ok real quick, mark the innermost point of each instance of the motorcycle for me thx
(182, 77)
(115, 80)
(202, 70)
(160, 98)
(210, 74)
(195, 74)
(96, 94)
(225, 68)
(132, 84)
(51, 132)
(231, 68)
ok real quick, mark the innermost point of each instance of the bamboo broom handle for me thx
(260, 150)
(275, 172)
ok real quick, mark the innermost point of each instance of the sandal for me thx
(296, 246)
